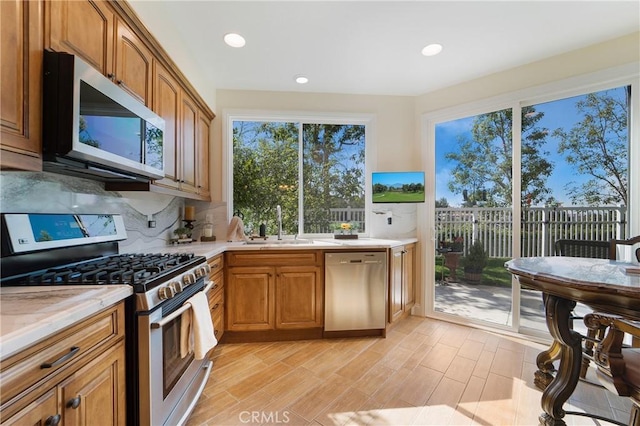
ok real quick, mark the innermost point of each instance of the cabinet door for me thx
(133, 64)
(94, 395)
(84, 28)
(187, 142)
(396, 308)
(250, 299)
(299, 293)
(202, 165)
(42, 411)
(21, 84)
(166, 103)
(408, 276)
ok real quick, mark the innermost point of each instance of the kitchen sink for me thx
(286, 241)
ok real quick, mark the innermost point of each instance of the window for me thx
(314, 170)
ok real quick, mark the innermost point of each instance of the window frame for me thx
(299, 117)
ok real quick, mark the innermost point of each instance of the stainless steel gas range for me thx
(164, 379)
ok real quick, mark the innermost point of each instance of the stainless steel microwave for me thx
(94, 129)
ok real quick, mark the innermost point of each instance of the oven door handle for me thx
(179, 311)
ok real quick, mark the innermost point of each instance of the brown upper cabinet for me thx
(166, 103)
(84, 28)
(21, 25)
(133, 70)
(186, 149)
(109, 36)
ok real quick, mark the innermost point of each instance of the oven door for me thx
(169, 383)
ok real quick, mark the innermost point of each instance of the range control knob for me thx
(189, 279)
(203, 271)
(176, 286)
(166, 293)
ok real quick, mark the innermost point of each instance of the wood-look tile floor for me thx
(425, 372)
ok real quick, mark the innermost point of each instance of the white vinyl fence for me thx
(541, 227)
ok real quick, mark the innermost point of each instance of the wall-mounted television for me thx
(397, 187)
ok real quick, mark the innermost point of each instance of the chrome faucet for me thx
(279, 215)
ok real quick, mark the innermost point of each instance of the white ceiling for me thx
(367, 47)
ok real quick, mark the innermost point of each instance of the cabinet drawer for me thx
(216, 306)
(274, 258)
(70, 346)
(218, 284)
(216, 264)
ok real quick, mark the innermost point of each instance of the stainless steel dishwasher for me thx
(355, 291)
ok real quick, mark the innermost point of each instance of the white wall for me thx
(590, 59)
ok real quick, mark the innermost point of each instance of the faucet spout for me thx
(279, 215)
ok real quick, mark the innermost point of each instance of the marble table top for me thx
(30, 314)
(605, 285)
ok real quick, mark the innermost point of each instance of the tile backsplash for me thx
(29, 192)
(42, 192)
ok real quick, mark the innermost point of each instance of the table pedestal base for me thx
(567, 347)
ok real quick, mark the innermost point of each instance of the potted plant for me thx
(344, 230)
(182, 233)
(474, 262)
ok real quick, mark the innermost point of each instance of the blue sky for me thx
(557, 114)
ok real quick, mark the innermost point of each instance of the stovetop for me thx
(142, 271)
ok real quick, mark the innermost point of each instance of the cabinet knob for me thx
(74, 402)
(52, 420)
(111, 76)
(118, 82)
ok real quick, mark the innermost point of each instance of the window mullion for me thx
(300, 178)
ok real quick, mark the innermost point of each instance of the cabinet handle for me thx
(74, 402)
(52, 420)
(215, 306)
(111, 76)
(119, 82)
(64, 358)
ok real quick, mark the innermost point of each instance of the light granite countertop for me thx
(30, 314)
(210, 249)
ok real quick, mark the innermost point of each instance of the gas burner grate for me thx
(132, 269)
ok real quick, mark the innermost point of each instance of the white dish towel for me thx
(196, 331)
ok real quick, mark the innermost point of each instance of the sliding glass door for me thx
(473, 216)
(507, 187)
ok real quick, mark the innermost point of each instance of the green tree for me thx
(265, 165)
(442, 202)
(484, 161)
(266, 172)
(333, 171)
(597, 145)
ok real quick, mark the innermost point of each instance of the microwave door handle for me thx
(110, 172)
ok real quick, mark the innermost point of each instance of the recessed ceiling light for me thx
(234, 40)
(301, 79)
(432, 49)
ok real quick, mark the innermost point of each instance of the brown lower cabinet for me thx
(84, 384)
(275, 293)
(402, 295)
